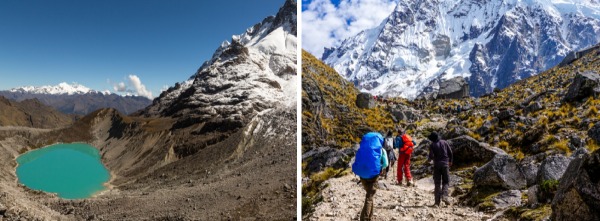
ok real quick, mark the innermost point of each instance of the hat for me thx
(434, 136)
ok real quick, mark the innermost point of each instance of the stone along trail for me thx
(343, 200)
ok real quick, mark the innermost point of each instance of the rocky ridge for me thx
(31, 113)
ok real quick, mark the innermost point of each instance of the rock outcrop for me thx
(502, 172)
(578, 195)
(455, 88)
(365, 100)
(320, 158)
(584, 85)
(552, 168)
(468, 150)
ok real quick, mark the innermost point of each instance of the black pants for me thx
(391, 160)
(441, 180)
(367, 211)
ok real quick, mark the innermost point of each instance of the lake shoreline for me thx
(106, 186)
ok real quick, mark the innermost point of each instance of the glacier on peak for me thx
(61, 88)
(253, 72)
(492, 43)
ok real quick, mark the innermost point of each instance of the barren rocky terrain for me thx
(225, 180)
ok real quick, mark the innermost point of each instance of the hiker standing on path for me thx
(441, 154)
(388, 145)
(368, 164)
(404, 144)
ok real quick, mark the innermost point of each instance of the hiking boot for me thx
(447, 201)
(410, 183)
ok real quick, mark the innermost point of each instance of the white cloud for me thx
(120, 87)
(325, 25)
(140, 88)
(134, 86)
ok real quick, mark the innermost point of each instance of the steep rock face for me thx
(493, 43)
(330, 115)
(254, 72)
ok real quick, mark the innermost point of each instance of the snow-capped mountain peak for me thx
(61, 88)
(492, 43)
(253, 72)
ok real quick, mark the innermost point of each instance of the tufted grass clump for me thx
(562, 145)
(592, 111)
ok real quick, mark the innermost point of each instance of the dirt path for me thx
(343, 200)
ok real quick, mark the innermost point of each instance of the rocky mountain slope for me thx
(171, 162)
(31, 113)
(527, 152)
(493, 43)
(77, 99)
(329, 117)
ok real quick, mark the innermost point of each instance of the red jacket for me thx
(407, 144)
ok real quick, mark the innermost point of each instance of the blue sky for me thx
(326, 23)
(100, 43)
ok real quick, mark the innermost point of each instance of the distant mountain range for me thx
(77, 99)
(492, 43)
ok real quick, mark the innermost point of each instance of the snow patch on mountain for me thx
(492, 43)
(61, 88)
(253, 72)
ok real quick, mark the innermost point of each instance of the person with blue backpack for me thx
(370, 160)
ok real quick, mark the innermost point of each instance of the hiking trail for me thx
(343, 200)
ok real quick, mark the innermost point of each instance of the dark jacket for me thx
(439, 151)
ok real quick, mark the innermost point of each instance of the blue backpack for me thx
(367, 163)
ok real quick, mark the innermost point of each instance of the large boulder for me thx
(407, 114)
(578, 194)
(552, 168)
(594, 133)
(467, 150)
(319, 158)
(506, 114)
(365, 100)
(501, 172)
(529, 167)
(422, 149)
(584, 85)
(454, 88)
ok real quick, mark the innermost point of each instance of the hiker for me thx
(441, 154)
(388, 145)
(405, 144)
(368, 164)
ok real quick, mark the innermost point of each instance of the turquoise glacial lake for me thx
(73, 171)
